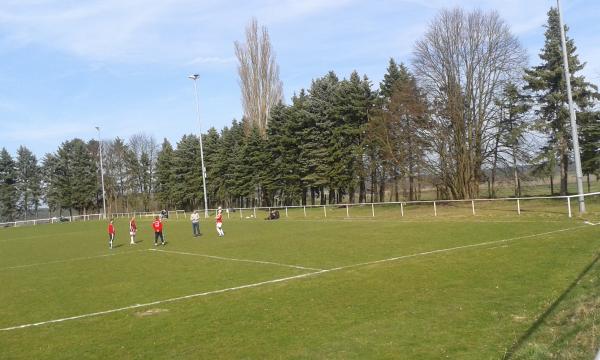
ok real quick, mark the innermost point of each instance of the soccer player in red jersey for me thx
(132, 230)
(111, 234)
(158, 231)
(219, 219)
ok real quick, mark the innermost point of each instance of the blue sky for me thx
(70, 65)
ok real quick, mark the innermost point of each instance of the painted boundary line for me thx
(165, 301)
(234, 259)
(281, 280)
(454, 248)
(70, 260)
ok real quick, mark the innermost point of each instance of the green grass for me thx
(469, 301)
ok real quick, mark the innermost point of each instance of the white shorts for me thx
(219, 225)
(132, 233)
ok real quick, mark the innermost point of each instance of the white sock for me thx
(132, 241)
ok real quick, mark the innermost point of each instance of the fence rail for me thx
(472, 206)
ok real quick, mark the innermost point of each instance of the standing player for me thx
(195, 223)
(111, 234)
(132, 230)
(158, 231)
(219, 219)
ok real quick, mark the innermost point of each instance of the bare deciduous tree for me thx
(462, 63)
(259, 76)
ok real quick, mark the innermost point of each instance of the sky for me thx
(67, 66)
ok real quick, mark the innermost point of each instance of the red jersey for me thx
(132, 226)
(219, 218)
(157, 226)
(111, 229)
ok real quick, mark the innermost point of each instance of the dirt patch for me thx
(519, 318)
(150, 312)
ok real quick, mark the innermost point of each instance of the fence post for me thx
(304, 211)
(373, 209)
(255, 213)
(227, 212)
(347, 213)
(569, 205)
(434, 209)
(401, 209)
(518, 207)
(473, 206)
(241, 214)
(325, 210)
(286, 212)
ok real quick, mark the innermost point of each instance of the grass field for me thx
(420, 287)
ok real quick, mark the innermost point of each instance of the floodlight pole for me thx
(196, 77)
(578, 172)
(102, 175)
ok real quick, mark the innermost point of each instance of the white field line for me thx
(69, 260)
(286, 279)
(234, 259)
(497, 247)
(453, 249)
(165, 301)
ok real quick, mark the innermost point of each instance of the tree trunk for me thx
(331, 196)
(382, 187)
(322, 195)
(588, 182)
(564, 173)
(516, 174)
(551, 184)
(396, 195)
(362, 194)
(351, 195)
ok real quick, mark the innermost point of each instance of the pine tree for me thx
(8, 189)
(211, 144)
(589, 139)
(318, 122)
(76, 181)
(50, 193)
(354, 98)
(165, 178)
(187, 167)
(513, 125)
(547, 81)
(28, 182)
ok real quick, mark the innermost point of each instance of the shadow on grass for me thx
(513, 349)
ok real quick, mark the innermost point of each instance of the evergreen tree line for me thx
(343, 140)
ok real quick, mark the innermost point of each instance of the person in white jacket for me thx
(195, 223)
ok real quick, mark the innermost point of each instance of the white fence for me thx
(558, 205)
(88, 217)
(549, 204)
(52, 220)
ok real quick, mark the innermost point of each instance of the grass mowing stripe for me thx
(279, 280)
(164, 301)
(454, 248)
(41, 236)
(234, 259)
(69, 260)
